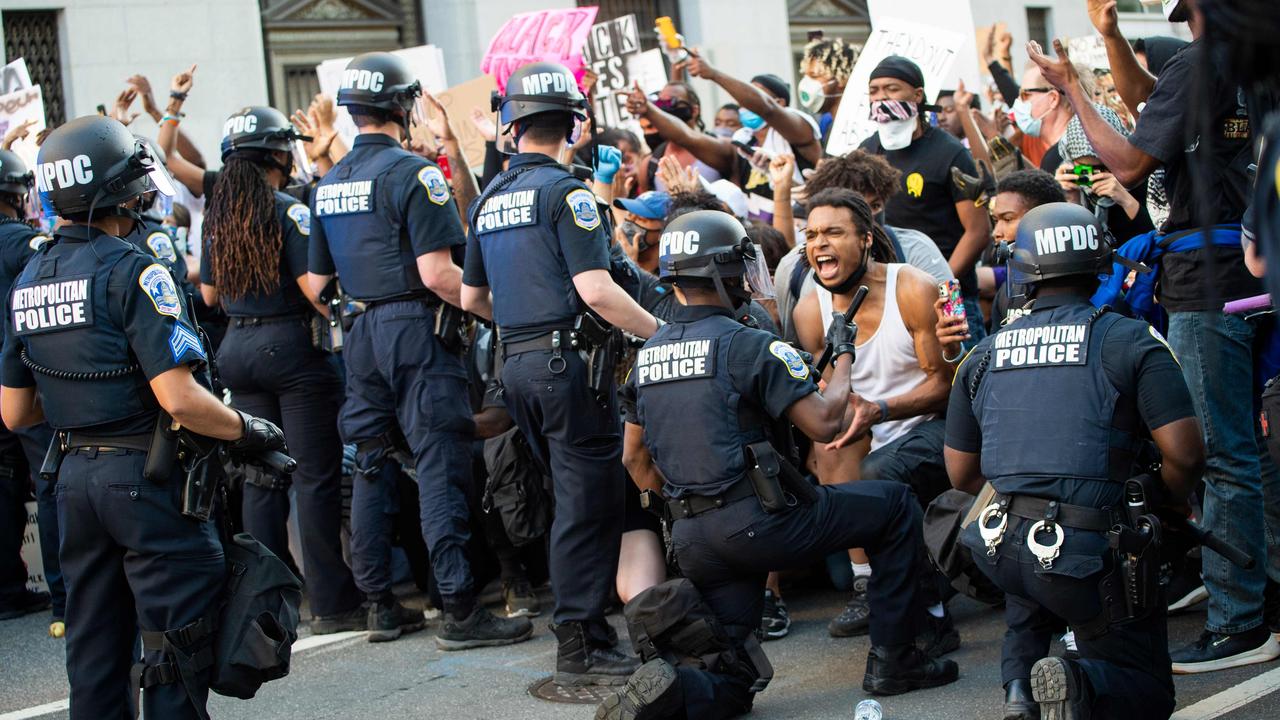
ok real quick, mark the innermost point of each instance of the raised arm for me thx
(1133, 82)
(186, 172)
(714, 151)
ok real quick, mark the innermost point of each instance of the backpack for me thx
(516, 489)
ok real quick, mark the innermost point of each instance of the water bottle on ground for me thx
(867, 710)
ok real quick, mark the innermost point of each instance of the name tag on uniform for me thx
(344, 198)
(1043, 346)
(679, 360)
(52, 305)
(504, 211)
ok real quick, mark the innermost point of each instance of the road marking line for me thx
(307, 643)
(1230, 699)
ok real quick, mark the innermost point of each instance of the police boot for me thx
(1061, 689)
(481, 628)
(580, 660)
(651, 693)
(1018, 702)
(388, 619)
(895, 669)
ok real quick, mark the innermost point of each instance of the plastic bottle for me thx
(867, 710)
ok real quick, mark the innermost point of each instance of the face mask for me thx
(724, 132)
(750, 119)
(896, 122)
(811, 94)
(1023, 119)
(631, 229)
(653, 140)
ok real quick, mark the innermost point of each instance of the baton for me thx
(858, 297)
(277, 462)
(1235, 555)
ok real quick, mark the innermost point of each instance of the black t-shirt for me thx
(926, 200)
(1051, 160)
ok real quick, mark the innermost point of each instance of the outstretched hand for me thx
(1059, 72)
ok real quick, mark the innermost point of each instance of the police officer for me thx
(254, 262)
(539, 240)
(99, 343)
(1048, 410)
(18, 242)
(714, 397)
(387, 225)
(152, 237)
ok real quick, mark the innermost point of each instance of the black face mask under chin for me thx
(847, 285)
(653, 140)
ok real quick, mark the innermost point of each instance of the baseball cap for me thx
(650, 205)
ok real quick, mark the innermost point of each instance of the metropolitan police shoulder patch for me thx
(161, 245)
(433, 180)
(583, 204)
(158, 283)
(301, 216)
(796, 366)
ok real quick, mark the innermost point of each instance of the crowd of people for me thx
(672, 370)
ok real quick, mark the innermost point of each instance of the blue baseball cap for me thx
(652, 205)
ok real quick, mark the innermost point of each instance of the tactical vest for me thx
(690, 410)
(18, 242)
(532, 287)
(285, 298)
(1046, 406)
(355, 203)
(71, 325)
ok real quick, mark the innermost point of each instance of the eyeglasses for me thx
(1024, 92)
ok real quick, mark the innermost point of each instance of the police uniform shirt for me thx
(415, 194)
(140, 302)
(569, 210)
(1135, 360)
(18, 242)
(287, 297)
(765, 372)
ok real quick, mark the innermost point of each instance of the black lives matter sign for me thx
(609, 46)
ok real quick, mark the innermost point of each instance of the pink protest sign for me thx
(550, 35)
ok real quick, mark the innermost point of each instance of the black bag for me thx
(258, 622)
(516, 489)
(943, 521)
(1270, 417)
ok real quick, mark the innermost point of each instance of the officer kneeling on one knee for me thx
(1051, 411)
(714, 398)
(99, 345)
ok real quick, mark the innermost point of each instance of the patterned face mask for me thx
(885, 111)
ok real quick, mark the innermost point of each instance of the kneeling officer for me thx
(1050, 411)
(100, 344)
(739, 510)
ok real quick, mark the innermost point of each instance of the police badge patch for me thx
(301, 216)
(158, 284)
(796, 365)
(433, 180)
(583, 204)
(161, 246)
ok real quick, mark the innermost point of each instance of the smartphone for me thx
(1082, 173)
(953, 302)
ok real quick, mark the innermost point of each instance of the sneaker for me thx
(1217, 651)
(482, 629)
(903, 668)
(855, 619)
(652, 692)
(1186, 589)
(775, 622)
(939, 635)
(521, 600)
(24, 603)
(1061, 689)
(1271, 607)
(355, 619)
(389, 620)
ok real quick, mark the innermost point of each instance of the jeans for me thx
(1242, 488)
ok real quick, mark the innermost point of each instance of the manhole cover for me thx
(546, 689)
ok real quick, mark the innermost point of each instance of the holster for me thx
(451, 327)
(202, 460)
(777, 484)
(53, 458)
(163, 450)
(600, 345)
(372, 453)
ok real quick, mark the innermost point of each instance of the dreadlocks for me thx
(835, 55)
(241, 231)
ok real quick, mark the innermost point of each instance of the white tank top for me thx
(886, 364)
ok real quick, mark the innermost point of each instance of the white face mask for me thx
(896, 134)
(811, 94)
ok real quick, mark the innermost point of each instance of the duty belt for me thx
(1050, 516)
(72, 440)
(254, 320)
(428, 299)
(688, 507)
(553, 340)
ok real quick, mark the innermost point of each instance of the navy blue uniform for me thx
(531, 236)
(268, 362)
(92, 303)
(18, 242)
(706, 386)
(1096, 380)
(375, 213)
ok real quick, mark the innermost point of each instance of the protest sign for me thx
(30, 553)
(613, 54)
(19, 107)
(458, 101)
(933, 49)
(543, 35)
(1090, 51)
(425, 61)
(14, 77)
(950, 15)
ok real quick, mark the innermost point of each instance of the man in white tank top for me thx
(899, 381)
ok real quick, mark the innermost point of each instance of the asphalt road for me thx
(816, 676)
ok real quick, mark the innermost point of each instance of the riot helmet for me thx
(257, 131)
(711, 245)
(15, 179)
(381, 81)
(539, 88)
(1061, 239)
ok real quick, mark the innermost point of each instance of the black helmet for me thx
(1058, 240)
(93, 164)
(379, 80)
(155, 150)
(258, 128)
(15, 177)
(703, 244)
(538, 88)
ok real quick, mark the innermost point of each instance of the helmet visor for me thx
(159, 175)
(302, 171)
(757, 273)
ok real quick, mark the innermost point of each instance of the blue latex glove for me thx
(608, 163)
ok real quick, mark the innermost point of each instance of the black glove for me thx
(841, 336)
(977, 189)
(259, 435)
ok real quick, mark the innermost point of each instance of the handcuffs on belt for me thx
(993, 535)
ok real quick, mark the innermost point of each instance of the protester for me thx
(825, 67)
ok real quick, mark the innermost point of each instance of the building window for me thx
(33, 36)
(1038, 19)
(300, 85)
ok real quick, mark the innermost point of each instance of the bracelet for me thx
(884, 410)
(177, 95)
(959, 355)
(175, 119)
